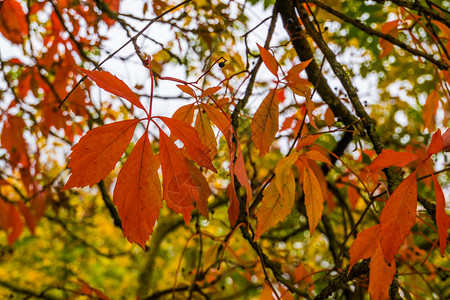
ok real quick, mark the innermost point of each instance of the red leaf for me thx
(436, 144)
(446, 140)
(389, 158)
(265, 123)
(137, 194)
(269, 60)
(179, 191)
(365, 245)
(10, 221)
(381, 276)
(13, 23)
(398, 216)
(114, 85)
(442, 219)
(194, 146)
(12, 140)
(97, 153)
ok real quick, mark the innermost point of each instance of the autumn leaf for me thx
(442, 219)
(269, 60)
(284, 170)
(203, 187)
(185, 113)
(194, 146)
(389, 158)
(265, 123)
(365, 245)
(391, 29)
(295, 71)
(233, 207)
(275, 207)
(313, 196)
(381, 276)
(430, 109)
(316, 156)
(97, 153)
(446, 140)
(114, 85)
(398, 216)
(13, 22)
(10, 221)
(187, 89)
(436, 144)
(307, 140)
(13, 141)
(179, 191)
(137, 193)
(206, 133)
(210, 91)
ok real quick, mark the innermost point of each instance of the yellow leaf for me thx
(313, 197)
(274, 207)
(284, 169)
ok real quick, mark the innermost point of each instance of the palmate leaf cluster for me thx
(235, 149)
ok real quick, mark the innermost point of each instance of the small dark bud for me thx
(222, 64)
(290, 21)
(298, 28)
(325, 28)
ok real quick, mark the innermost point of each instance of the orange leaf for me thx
(313, 196)
(381, 276)
(187, 89)
(220, 120)
(365, 245)
(12, 140)
(265, 123)
(114, 85)
(283, 170)
(295, 71)
(436, 144)
(88, 290)
(269, 60)
(446, 140)
(275, 207)
(317, 156)
(442, 219)
(398, 216)
(185, 113)
(206, 133)
(391, 29)
(137, 194)
(194, 146)
(13, 23)
(389, 158)
(209, 91)
(430, 109)
(329, 117)
(307, 141)
(203, 187)
(238, 170)
(179, 191)
(10, 221)
(233, 207)
(97, 153)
